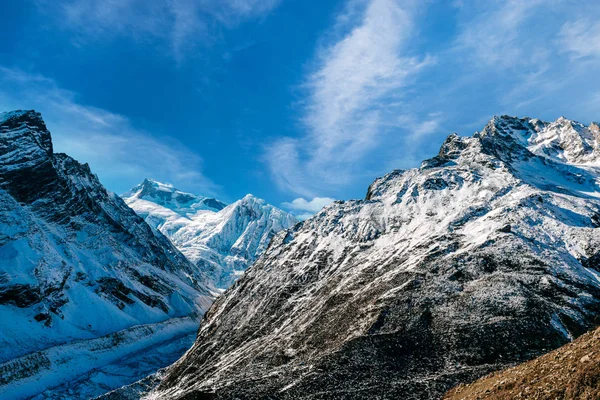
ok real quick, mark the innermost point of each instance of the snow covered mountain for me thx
(485, 256)
(221, 240)
(84, 281)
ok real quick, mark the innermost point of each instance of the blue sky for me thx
(295, 101)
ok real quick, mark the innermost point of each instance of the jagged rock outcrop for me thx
(221, 240)
(485, 256)
(76, 263)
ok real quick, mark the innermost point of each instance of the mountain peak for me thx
(166, 195)
(150, 186)
(567, 141)
(20, 114)
(515, 138)
(250, 199)
(154, 182)
(25, 128)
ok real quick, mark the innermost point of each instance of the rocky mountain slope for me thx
(571, 372)
(83, 279)
(222, 240)
(485, 256)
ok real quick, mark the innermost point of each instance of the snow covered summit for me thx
(167, 196)
(221, 240)
(563, 140)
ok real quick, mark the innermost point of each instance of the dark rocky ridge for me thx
(480, 259)
(66, 243)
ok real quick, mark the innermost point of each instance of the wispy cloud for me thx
(183, 24)
(419, 128)
(119, 153)
(348, 111)
(306, 208)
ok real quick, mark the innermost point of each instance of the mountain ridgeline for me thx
(486, 256)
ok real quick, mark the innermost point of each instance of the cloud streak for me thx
(119, 153)
(528, 62)
(314, 205)
(306, 208)
(497, 36)
(182, 24)
(348, 110)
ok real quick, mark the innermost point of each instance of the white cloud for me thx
(581, 37)
(181, 23)
(120, 154)
(304, 216)
(348, 112)
(312, 206)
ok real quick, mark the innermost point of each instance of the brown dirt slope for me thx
(570, 372)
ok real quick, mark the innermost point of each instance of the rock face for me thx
(75, 261)
(570, 372)
(222, 240)
(485, 256)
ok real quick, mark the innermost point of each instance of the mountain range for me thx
(91, 296)
(485, 256)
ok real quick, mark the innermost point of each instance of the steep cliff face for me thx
(75, 261)
(485, 256)
(221, 240)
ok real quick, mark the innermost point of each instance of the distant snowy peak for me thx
(167, 196)
(563, 140)
(221, 240)
(246, 227)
